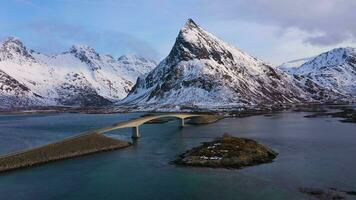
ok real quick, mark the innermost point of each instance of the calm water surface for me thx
(314, 152)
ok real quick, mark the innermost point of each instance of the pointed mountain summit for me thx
(87, 55)
(13, 48)
(195, 43)
(202, 70)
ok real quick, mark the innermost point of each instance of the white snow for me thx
(334, 70)
(44, 74)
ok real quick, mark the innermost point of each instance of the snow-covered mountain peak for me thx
(190, 24)
(193, 42)
(334, 70)
(12, 48)
(87, 55)
(330, 58)
(203, 70)
(81, 48)
(84, 50)
(13, 40)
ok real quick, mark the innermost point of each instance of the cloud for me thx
(53, 36)
(327, 22)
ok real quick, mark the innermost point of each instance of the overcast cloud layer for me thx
(63, 35)
(273, 30)
(329, 22)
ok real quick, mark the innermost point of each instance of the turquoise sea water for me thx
(314, 152)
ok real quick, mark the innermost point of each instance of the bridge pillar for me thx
(181, 122)
(135, 132)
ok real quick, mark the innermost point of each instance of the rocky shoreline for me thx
(228, 111)
(347, 114)
(328, 193)
(227, 152)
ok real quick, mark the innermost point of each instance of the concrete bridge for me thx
(82, 144)
(135, 123)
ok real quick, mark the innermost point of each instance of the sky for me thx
(273, 30)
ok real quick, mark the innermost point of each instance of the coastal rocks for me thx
(327, 194)
(227, 152)
(347, 115)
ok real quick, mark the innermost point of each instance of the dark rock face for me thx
(13, 48)
(317, 91)
(87, 55)
(78, 91)
(185, 50)
(82, 96)
(227, 152)
(10, 84)
(13, 93)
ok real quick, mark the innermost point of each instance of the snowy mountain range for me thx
(201, 70)
(78, 77)
(334, 70)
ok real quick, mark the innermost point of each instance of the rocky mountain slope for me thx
(78, 77)
(335, 71)
(203, 71)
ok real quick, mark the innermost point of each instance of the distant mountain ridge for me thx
(201, 70)
(334, 70)
(78, 77)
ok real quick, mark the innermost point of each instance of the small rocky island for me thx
(227, 152)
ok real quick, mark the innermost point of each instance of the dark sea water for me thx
(313, 152)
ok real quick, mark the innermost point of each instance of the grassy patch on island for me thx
(227, 152)
(68, 148)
